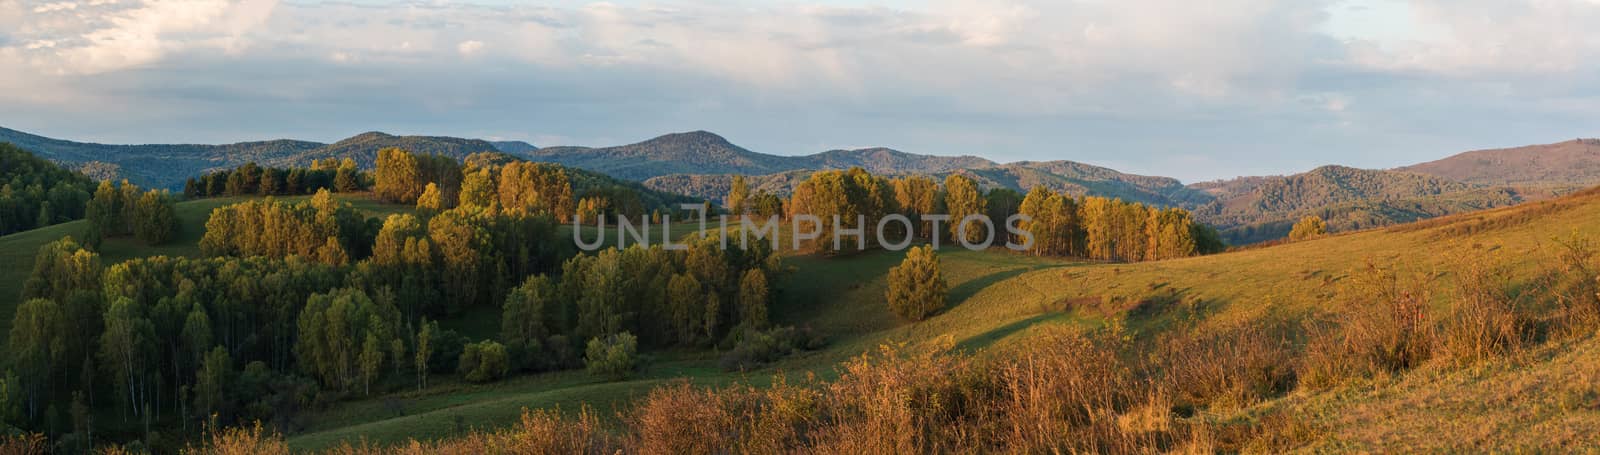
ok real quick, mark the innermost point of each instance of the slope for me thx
(1574, 162)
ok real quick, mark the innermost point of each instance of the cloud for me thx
(1161, 85)
(469, 47)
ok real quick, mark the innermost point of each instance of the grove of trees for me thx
(253, 180)
(122, 210)
(36, 193)
(1110, 229)
(1309, 227)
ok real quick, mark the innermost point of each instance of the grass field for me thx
(998, 297)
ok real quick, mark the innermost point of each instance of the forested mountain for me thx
(1253, 209)
(156, 165)
(696, 152)
(1574, 162)
(364, 147)
(514, 147)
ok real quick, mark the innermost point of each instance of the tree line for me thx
(1062, 225)
(251, 179)
(35, 192)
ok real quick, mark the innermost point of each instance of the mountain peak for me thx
(696, 136)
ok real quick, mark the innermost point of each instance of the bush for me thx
(485, 361)
(917, 287)
(756, 348)
(1383, 329)
(1488, 319)
(614, 357)
(1231, 368)
(1308, 228)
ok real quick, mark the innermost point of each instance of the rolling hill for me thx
(167, 165)
(1574, 162)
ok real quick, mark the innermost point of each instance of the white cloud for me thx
(469, 47)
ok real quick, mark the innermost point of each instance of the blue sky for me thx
(1194, 90)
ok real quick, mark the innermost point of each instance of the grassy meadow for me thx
(999, 298)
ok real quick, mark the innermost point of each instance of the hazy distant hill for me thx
(696, 152)
(167, 165)
(364, 147)
(517, 148)
(1575, 162)
(156, 165)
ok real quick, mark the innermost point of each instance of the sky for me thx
(1180, 88)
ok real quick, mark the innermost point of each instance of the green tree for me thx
(613, 357)
(431, 201)
(917, 288)
(34, 349)
(484, 361)
(156, 218)
(213, 381)
(525, 320)
(753, 295)
(347, 179)
(424, 351)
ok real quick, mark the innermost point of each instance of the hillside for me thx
(514, 147)
(167, 165)
(1574, 162)
(364, 147)
(999, 300)
(696, 152)
(154, 165)
(1255, 209)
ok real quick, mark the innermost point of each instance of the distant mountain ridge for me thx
(701, 164)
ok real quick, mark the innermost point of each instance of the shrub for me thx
(756, 348)
(1384, 329)
(1307, 228)
(916, 287)
(1575, 287)
(1487, 319)
(614, 357)
(485, 361)
(1228, 368)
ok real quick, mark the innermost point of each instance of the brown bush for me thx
(1486, 318)
(243, 441)
(28, 444)
(1231, 368)
(1384, 329)
(1574, 285)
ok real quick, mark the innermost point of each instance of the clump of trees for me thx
(917, 288)
(614, 357)
(1110, 229)
(321, 228)
(858, 198)
(1309, 227)
(121, 210)
(251, 179)
(36, 193)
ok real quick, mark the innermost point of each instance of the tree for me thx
(347, 179)
(737, 195)
(917, 287)
(156, 218)
(484, 361)
(753, 296)
(431, 201)
(37, 340)
(213, 381)
(336, 330)
(613, 357)
(1309, 227)
(397, 177)
(961, 199)
(524, 321)
(425, 351)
